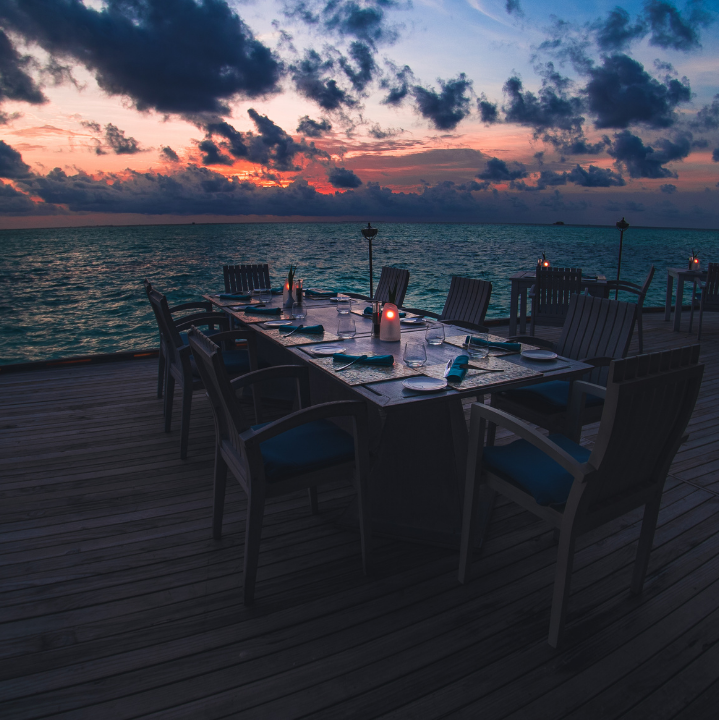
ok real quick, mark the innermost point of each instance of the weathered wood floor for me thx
(117, 603)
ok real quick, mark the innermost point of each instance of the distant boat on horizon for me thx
(558, 222)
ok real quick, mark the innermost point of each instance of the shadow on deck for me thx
(117, 603)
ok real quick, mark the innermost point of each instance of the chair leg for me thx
(562, 580)
(312, 492)
(640, 332)
(185, 422)
(160, 372)
(691, 307)
(701, 317)
(646, 538)
(218, 501)
(253, 534)
(169, 398)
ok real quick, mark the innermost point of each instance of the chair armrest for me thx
(598, 361)
(531, 291)
(206, 306)
(203, 319)
(423, 313)
(301, 417)
(541, 442)
(531, 340)
(248, 335)
(465, 325)
(270, 373)
(582, 387)
(357, 296)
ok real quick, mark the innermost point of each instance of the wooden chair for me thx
(641, 292)
(466, 304)
(649, 400)
(709, 294)
(301, 450)
(206, 307)
(180, 366)
(390, 277)
(551, 294)
(596, 331)
(245, 278)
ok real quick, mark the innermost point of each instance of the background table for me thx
(682, 275)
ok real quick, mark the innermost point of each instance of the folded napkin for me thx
(385, 360)
(234, 296)
(458, 370)
(489, 343)
(254, 310)
(319, 293)
(309, 329)
(368, 311)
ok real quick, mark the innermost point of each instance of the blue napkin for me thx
(488, 343)
(368, 311)
(277, 291)
(263, 310)
(234, 296)
(385, 360)
(309, 329)
(458, 371)
(319, 293)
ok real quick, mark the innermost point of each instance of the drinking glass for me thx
(434, 335)
(298, 311)
(477, 352)
(256, 294)
(346, 327)
(266, 294)
(415, 354)
(344, 305)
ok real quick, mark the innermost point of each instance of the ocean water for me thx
(79, 291)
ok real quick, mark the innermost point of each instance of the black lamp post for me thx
(369, 232)
(622, 225)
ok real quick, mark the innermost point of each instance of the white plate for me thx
(424, 384)
(277, 323)
(539, 354)
(325, 350)
(412, 321)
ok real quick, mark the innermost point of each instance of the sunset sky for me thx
(136, 111)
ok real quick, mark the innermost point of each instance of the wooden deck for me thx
(117, 603)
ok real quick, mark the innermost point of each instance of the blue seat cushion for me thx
(549, 397)
(312, 446)
(527, 466)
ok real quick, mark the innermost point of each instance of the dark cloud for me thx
(233, 142)
(513, 7)
(616, 32)
(397, 85)
(310, 77)
(211, 154)
(313, 128)
(11, 163)
(174, 56)
(15, 83)
(488, 111)
(120, 144)
(668, 188)
(595, 177)
(620, 93)
(16, 203)
(579, 145)
(708, 117)
(446, 108)
(669, 29)
(361, 74)
(497, 171)
(643, 160)
(168, 154)
(92, 126)
(378, 133)
(342, 178)
(715, 155)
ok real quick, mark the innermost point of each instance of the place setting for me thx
(495, 345)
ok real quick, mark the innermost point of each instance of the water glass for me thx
(346, 326)
(298, 311)
(256, 294)
(434, 335)
(477, 352)
(266, 294)
(344, 305)
(415, 354)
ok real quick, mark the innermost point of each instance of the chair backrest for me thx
(597, 327)
(467, 300)
(625, 286)
(168, 330)
(645, 286)
(552, 291)
(650, 399)
(711, 287)
(244, 278)
(391, 277)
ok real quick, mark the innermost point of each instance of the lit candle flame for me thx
(390, 314)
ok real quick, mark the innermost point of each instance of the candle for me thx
(389, 328)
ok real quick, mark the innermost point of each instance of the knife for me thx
(448, 367)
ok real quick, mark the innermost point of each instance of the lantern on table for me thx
(694, 263)
(543, 262)
(389, 329)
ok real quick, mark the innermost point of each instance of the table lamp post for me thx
(369, 232)
(622, 225)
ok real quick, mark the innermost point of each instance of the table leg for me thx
(523, 312)
(668, 303)
(678, 304)
(513, 297)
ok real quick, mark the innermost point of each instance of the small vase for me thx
(287, 298)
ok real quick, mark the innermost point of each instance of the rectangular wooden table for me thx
(418, 441)
(522, 283)
(681, 275)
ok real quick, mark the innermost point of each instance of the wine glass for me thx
(434, 335)
(346, 326)
(298, 311)
(344, 305)
(415, 354)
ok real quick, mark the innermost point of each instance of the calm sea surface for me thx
(79, 291)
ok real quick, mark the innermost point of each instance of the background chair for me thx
(180, 366)
(205, 306)
(466, 304)
(245, 278)
(390, 277)
(596, 331)
(551, 294)
(301, 450)
(649, 400)
(709, 294)
(641, 292)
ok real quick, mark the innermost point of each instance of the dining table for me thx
(418, 440)
(681, 275)
(520, 285)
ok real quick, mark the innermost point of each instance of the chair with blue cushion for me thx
(648, 402)
(180, 366)
(301, 450)
(552, 293)
(596, 331)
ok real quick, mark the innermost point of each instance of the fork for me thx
(299, 327)
(344, 367)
